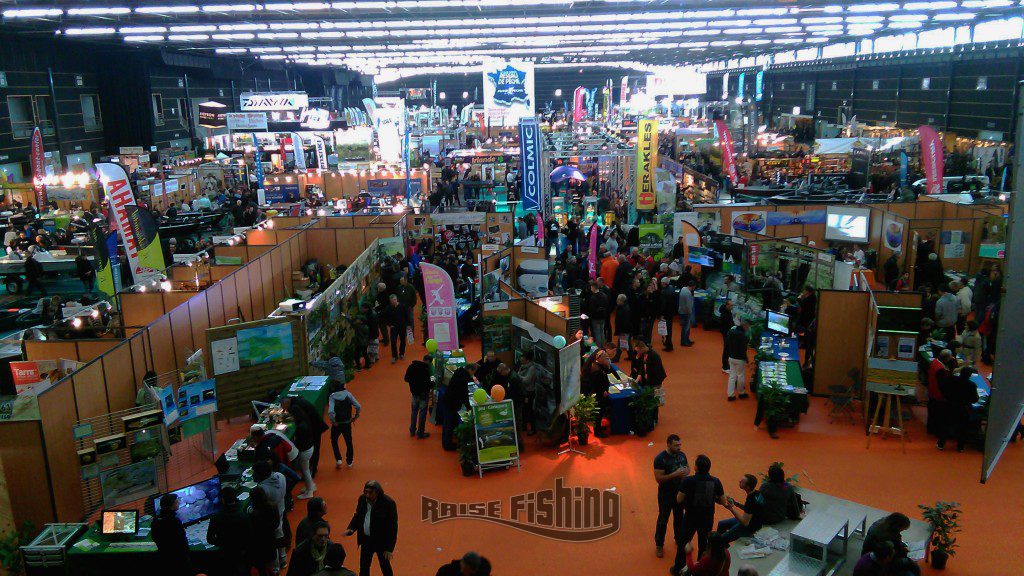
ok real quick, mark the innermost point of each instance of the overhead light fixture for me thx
(112, 11)
(89, 31)
(180, 9)
(32, 12)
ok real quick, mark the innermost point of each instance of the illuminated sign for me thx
(275, 101)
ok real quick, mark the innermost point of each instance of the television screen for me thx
(843, 224)
(899, 319)
(778, 323)
(120, 522)
(196, 502)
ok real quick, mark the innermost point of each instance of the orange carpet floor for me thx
(830, 458)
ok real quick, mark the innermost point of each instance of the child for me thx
(970, 340)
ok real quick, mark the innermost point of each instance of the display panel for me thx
(843, 224)
(120, 522)
(196, 502)
(778, 323)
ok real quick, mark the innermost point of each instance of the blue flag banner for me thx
(530, 162)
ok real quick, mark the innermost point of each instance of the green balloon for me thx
(479, 396)
(431, 345)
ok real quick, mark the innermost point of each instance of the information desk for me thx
(784, 376)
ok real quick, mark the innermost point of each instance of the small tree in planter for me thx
(465, 435)
(585, 412)
(645, 410)
(944, 519)
(776, 406)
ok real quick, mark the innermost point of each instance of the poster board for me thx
(569, 376)
(263, 365)
(496, 435)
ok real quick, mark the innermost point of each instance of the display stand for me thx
(881, 422)
(569, 449)
(494, 427)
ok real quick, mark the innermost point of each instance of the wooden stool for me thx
(882, 423)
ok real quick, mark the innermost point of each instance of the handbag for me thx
(662, 328)
(410, 336)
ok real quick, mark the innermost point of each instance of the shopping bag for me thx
(624, 341)
(410, 336)
(662, 328)
(373, 350)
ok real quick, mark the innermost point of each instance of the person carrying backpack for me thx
(340, 405)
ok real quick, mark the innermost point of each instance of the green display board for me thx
(495, 425)
(497, 333)
(652, 239)
(264, 344)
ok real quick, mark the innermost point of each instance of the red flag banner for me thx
(932, 158)
(38, 159)
(725, 142)
(577, 103)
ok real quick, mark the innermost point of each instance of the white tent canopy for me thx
(844, 145)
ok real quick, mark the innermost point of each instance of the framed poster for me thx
(264, 344)
(129, 483)
(882, 349)
(906, 348)
(495, 425)
(109, 444)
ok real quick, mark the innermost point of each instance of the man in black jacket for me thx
(736, 348)
(418, 377)
(669, 296)
(33, 273)
(376, 522)
(231, 531)
(456, 396)
(647, 366)
(310, 556)
(597, 311)
(316, 424)
(623, 276)
(396, 317)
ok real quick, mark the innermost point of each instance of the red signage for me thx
(725, 143)
(931, 158)
(755, 251)
(38, 160)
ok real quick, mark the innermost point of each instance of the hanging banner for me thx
(321, 152)
(137, 227)
(388, 116)
(578, 96)
(932, 158)
(101, 261)
(759, 86)
(529, 161)
(38, 158)
(442, 324)
(300, 155)
(860, 167)
(904, 168)
(725, 142)
(508, 91)
(592, 256)
(646, 162)
(652, 239)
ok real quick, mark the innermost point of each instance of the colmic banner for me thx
(725, 142)
(646, 162)
(508, 91)
(759, 86)
(137, 227)
(442, 325)
(932, 158)
(529, 152)
(38, 159)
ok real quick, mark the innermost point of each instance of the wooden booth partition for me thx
(842, 337)
(888, 233)
(497, 327)
(242, 380)
(83, 350)
(25, 475)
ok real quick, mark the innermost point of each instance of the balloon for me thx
(497, 393)
(431, 345)
(480, 396)
(559, 341)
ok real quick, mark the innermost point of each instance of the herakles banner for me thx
(138, 228)
(646, 162)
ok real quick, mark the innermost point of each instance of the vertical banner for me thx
(624, 91)
(932, 158)
(725, 143)
(321, 152)
(759, 86)
(725, 86)
(530, 163)
(578, 111)
(257, 164)
(904, 168)
(860, 167)
(592, 256)
(606, 94)
(137, 227)
(508, 91)
(442, 324)
(300, 155)
(646, 162)
(38, 159)
(115, 262)
(101, 261)
(389, 121)
(740, 84)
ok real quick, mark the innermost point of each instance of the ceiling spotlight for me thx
(442, 96)
(465, 95)
(558, 92)
(77, 322)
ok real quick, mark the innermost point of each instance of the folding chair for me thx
(843, 398)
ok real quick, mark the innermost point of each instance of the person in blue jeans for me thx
(686, 313)
(747, 517)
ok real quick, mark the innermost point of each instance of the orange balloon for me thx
(497, 393)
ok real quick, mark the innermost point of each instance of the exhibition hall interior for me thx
(501, 287)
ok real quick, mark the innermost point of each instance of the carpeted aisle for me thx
(829, 457)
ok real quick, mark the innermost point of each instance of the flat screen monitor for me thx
(899, 319)
(196, 502)
(844, 224)
(119, 522)
(778, 323)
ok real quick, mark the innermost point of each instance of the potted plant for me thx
(465, 435)
(944, 519)
(645, 410)
(776, 405)
(585, 413)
